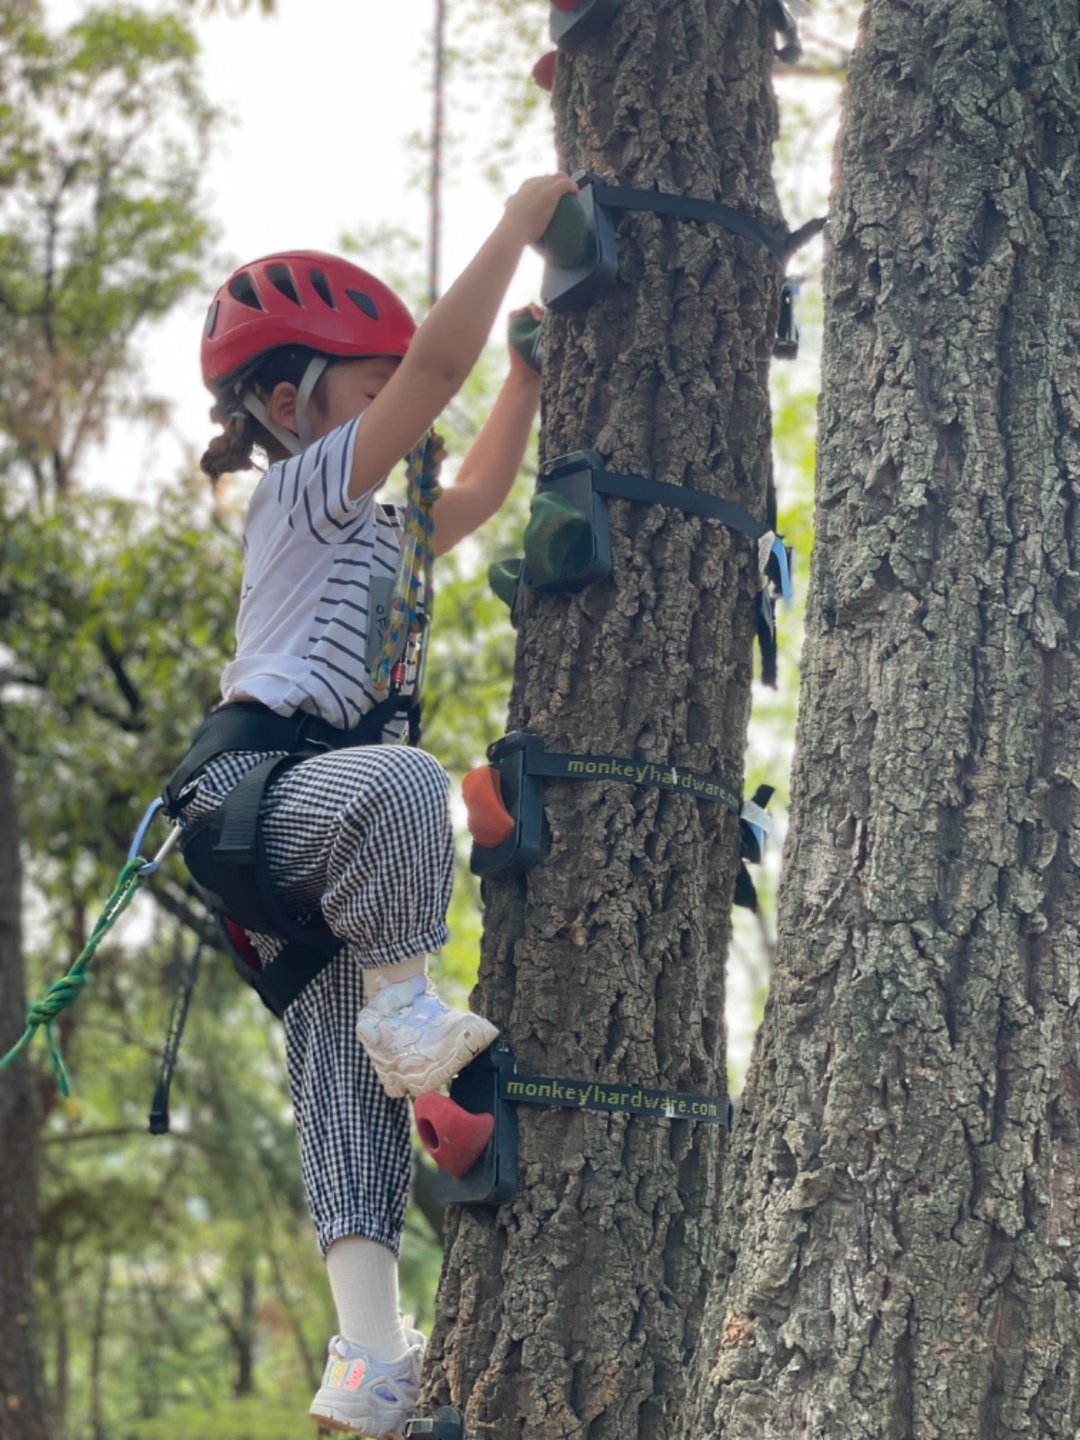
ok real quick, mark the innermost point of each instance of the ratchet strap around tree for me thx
(676, 780)
(690, 502)
(505, 798)
(712, 212)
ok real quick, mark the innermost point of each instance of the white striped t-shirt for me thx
(310, 555)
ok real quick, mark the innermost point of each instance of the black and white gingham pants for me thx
(364, 834)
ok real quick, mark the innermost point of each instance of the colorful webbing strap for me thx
(414, 576)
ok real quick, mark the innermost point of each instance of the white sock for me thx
(364, 1280)
(377, 978)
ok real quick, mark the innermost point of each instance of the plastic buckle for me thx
(570, 28)
(492, 1180)
(445, 1424)
(590, 559)
(523, 796)
(778, 569)
(790, 49)
(574, 286)
(786, 343)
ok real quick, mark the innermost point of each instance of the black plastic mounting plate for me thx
(445, 1424)
(574, 288)
(493, 1179)
(523, 797)
(590, 559)
(571, 28)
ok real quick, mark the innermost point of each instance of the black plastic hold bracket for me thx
(571, 28)
(594, 275)
(523, 796)
(572, 476)
(445, 1424)
(492, 1180)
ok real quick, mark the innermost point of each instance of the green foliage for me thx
(103, 132)
(117, 618)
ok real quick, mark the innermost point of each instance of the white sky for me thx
(322, 111)
(323, 98)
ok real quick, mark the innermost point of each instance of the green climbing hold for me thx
(503, 578)
(525, 339)
(568, 240)
(555, 526)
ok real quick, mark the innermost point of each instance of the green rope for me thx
(61, 993)
(417, 554)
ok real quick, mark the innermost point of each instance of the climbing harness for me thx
(61, 993)
(225, 851)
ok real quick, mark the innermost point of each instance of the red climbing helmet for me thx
(301, 297)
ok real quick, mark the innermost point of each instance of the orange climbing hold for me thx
(490, 823)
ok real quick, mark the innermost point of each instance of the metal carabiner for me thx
(140, 835)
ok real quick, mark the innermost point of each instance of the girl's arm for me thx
(491, 465)
(448, 343)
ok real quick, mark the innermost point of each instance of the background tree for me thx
(573, 1308)
(22, 1386)
(900, 1234)
(98, 233)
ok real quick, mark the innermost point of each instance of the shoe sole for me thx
(439, 1072)
(331, 1422)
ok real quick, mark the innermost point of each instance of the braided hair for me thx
(241, 432)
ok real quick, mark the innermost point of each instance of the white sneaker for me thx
(365, 1396)
(415, 1040)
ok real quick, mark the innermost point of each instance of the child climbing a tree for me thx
(325, 843)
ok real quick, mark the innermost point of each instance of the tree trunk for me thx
(22, 1384)
(98, 1336)
(901, 1245)
(573, 1309)
(246, 1334)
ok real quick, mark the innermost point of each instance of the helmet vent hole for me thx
(280, 276)
(211, 318)
(364, 302)
(321, 286)
(242, 288)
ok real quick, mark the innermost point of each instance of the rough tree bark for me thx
(573, 1310)
(22, 1385)
(902, 1241)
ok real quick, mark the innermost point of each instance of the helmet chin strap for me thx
(294, 444)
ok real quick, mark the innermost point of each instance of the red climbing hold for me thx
(454, 1138)
(565, 4)
(544, 70)
(490, 823)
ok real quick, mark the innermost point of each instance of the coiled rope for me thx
(416, 563)
(61, 993)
